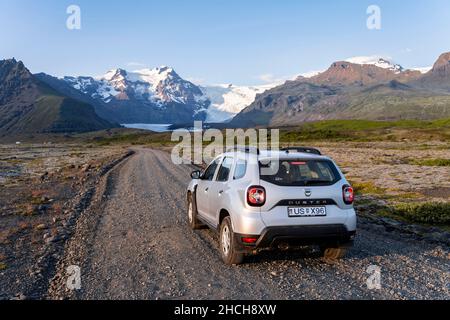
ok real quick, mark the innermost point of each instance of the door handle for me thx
(207, 189)
(220, 192)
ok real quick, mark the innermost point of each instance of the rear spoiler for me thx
(302, 150)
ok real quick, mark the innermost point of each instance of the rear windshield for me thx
(300, 172)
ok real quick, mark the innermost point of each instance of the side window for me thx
(209, 172)
(240, 170)
(225, 169)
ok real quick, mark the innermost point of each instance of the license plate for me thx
(307, 212)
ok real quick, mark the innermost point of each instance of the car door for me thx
(203, 189)
(218, 187)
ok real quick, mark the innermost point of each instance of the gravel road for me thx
(138, 246)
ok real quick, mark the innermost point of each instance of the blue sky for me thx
(213, 41)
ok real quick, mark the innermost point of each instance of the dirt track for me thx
(135, 244)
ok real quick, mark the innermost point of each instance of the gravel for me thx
(134, 243)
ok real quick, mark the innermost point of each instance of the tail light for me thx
(256, 196)
(348, 194)
(249, 240)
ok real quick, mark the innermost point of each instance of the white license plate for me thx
(307, 212)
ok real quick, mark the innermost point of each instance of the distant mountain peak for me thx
(14, 77)
(113, 74)
(363, 71)
(443, 62)
(164, 69)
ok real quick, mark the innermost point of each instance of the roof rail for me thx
(302, 150)
(245, 149)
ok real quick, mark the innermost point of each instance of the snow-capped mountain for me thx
(156, 95)
(377, 61)
(162, 86)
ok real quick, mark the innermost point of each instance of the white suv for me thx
(273, 199)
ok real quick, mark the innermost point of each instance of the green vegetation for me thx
(432, 162)
(366, 130)
(126, 136)
(367, 188)
(427, 213)
(3, 266)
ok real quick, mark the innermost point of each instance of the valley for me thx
(355, 89)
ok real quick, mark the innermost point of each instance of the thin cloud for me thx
(195, 80)
(270, 78)
(135, 64)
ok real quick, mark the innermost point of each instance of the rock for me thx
(21, 296)
(437, 236)
(49, 240)
(42, 208)
(86, 168)
(44, 176)
(41, 227)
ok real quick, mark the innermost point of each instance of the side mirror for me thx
(196, 174)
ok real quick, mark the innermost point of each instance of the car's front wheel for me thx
(228, 247)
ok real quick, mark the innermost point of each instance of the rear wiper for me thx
(313, 182)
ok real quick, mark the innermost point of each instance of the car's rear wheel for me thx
(333, 254)
(228, 247)
(193, 221)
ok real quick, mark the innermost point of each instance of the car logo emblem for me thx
(308, 193)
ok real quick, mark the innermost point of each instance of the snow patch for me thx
(422, 70)
(378, 61)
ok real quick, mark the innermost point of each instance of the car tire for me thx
(333, 254)
(227, 244)
(193, 221)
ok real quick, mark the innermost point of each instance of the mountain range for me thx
(156, 95)
(374, 89)
(349, 90)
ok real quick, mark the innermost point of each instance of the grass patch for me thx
(426, 213)
(362, 188)
(3, 266)
(432, 162)
(361, 125)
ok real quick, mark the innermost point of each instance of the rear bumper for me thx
(333, 235)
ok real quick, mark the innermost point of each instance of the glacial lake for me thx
(148, 126)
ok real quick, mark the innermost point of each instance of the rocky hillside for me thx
(27, 105)
(438, 78)
(355, 91)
